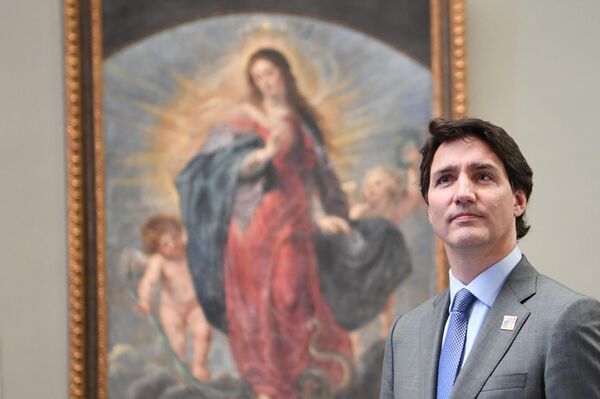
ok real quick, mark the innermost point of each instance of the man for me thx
(501, 330)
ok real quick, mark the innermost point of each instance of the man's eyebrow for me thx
(471, 166)
(444, 170)
(482, 166)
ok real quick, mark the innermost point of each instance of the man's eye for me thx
(483, 177)
(443, 179)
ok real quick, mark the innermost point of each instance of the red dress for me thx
(275, 308)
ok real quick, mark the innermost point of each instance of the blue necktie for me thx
(454, 344)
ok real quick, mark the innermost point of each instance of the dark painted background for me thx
(403, 24)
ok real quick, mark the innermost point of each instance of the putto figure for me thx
(164, 241)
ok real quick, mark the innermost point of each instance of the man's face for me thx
(471, 203)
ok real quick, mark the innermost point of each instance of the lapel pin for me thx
(508, 323)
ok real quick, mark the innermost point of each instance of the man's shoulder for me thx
(413, 318)
(548, 286)
(553, 297)
(552, 293)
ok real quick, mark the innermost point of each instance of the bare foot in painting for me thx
(203, 374)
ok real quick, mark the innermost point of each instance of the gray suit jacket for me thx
(553, 351)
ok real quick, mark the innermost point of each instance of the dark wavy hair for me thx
(517, 169)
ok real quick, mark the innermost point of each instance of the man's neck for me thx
(469, 263)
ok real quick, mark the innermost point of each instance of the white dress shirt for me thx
(486, 288)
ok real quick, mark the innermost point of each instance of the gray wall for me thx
(33, 274)
(533, 70)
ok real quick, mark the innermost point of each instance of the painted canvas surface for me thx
(263, 220)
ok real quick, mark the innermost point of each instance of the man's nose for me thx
(465, 192)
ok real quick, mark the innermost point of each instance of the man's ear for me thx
(520, 203)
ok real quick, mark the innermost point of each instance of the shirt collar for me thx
(487, 284)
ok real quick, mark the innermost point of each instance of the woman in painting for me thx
(273, 304)
(257, 201)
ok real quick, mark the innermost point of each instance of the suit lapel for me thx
(432, 330)
(492, 342)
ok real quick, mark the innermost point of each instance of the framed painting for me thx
(245, 219)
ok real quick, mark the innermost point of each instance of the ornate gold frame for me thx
(85, 160)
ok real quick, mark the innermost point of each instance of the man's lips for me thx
(464, 216)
